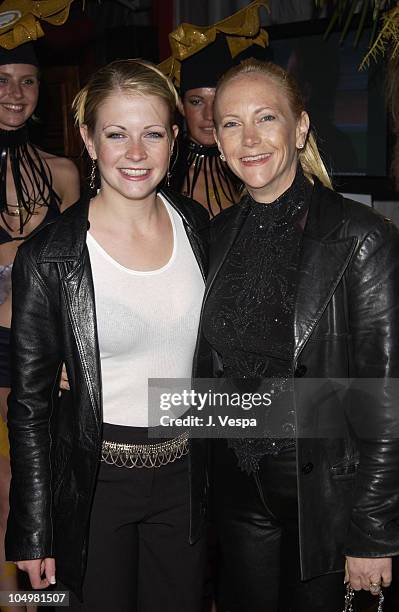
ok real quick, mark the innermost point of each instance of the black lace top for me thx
(249, 315)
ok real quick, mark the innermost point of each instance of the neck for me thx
(14, 137)
(123, 214)
(271, 192)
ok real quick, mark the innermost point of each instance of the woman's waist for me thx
(136, 447)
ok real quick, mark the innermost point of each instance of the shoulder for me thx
(65, 176)
(191, 211)
(351, 217)
(66, 179)
(58, 164)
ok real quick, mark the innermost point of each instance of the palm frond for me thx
(388, 36)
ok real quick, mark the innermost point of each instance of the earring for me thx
(168, 179)
(222, 157)
(92, 183)
(300, 146)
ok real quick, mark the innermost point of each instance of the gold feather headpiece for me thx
(242, 29)
(20, 19)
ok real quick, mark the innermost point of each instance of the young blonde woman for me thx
(113, 289)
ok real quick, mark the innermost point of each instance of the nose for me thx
(208, 111)
(250, 135)
(15, 90)
(136, 150)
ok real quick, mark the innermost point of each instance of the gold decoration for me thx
(20, 19)
(242, 30)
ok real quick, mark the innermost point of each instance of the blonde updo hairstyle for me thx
(129, 77)
(309, 157)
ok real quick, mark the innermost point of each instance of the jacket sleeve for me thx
(373, 411)
(35, 362)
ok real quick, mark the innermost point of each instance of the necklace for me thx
(31, 176)
(220, 183)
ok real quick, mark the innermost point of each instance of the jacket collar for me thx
(67, 237)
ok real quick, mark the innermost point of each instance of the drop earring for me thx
(92, 183)
(222, 157)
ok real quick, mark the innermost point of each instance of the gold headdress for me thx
(241, 30)
(20, 19)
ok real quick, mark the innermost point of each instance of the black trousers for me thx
(257, 521)
(139, 557)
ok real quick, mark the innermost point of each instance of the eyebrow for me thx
(256, 112)
(114, 125)
(146, 127)
(23, 76)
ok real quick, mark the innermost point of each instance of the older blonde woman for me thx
(303, 284)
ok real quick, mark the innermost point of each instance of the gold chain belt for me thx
(144, 455)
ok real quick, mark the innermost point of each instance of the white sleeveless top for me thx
(147, 324)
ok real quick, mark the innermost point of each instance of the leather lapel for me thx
(322, 266)
(78, 289)
(226, 239)
(325, 254)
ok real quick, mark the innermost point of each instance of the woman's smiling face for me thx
(259, 134)
(132, 140)
(19, 91)
(198, 111)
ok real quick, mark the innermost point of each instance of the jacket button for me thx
(300, 371)
(307, 468)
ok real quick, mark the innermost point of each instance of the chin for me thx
(205, 141)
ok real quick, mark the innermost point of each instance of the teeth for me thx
(255, 157)
(14, 107)
(131, 172)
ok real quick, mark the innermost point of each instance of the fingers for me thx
(375, 584)
(33, 569)
(64, 382)
(386, 575)
(41, 572)
(346, 579)
(49, 570)
(368, 574)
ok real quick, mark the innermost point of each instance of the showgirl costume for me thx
(220, 183)
(34, 189)
(33, 186)
(200, 56)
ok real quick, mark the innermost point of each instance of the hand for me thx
(36, 569)
(362, 573)
(64, 382)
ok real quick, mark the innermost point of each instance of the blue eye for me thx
(155, 135)
(115, 135)
(229, 124)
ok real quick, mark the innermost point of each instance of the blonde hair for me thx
(309, 157)
(127, 76)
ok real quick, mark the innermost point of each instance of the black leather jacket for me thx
(346, 327)
(55, 453)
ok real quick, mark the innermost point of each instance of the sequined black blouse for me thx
(249, 314)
